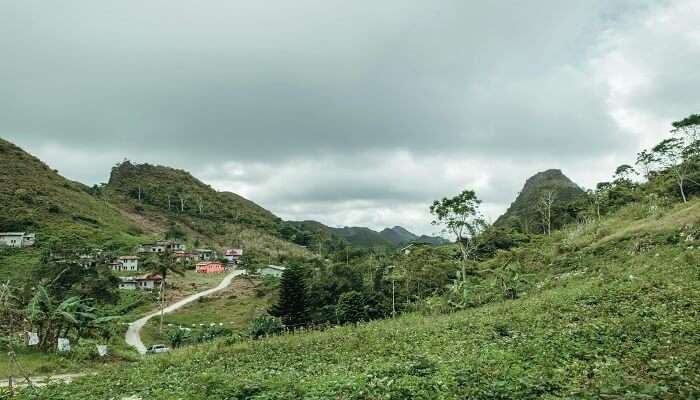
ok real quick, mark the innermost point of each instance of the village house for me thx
(17, 239)
(162, 246)
(145, 282)
(205, 254)
(174, 245)
(182, 256)
(233, 255)
(87, 260)
(152, 248)
(126, 263)
(211, 267)
(272, 270)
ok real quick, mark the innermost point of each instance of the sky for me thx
(353, 113)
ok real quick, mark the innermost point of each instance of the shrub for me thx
(351, 307)
(265, 326)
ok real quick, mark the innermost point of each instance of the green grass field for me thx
(604, 317)
(234, 307)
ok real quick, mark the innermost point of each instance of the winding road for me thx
(133, 334)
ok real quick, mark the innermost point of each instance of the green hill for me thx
(523, 213)
(185, 206)
(604, 310)
(63, 213)
(35, 198)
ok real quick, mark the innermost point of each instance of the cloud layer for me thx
(355, 113)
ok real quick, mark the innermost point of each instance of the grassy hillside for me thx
(187, 207)
(35, 198)
(605, 310)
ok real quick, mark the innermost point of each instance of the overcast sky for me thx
(348, 112)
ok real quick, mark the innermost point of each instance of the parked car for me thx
(158, 348)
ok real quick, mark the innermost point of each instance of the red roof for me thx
(234, 252)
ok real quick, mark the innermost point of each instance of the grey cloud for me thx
(359, 111)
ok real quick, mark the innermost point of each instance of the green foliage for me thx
(265, 325)
(292, 306)
(351, 307)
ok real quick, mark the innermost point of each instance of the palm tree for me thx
(162, 264)
(55, 319)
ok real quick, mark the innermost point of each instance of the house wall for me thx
(12, 241)
(270, 272)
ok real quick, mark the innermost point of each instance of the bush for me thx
(351, 307)
(265, 326)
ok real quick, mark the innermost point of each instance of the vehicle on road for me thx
(158, 348)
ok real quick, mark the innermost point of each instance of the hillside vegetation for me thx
(187, 207)
(523, 213)
(35, 198)
(606, 309)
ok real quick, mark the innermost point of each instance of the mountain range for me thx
(143, 202)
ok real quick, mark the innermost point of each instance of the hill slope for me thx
(523, 211)
(174, 198)
(609, 310)
(35, 198)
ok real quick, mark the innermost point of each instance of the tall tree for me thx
(646, 160)
(163, 264)
(670, 154)
(688, 129)
(291, 306)
(460, 216)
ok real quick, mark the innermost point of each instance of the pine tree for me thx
(292, 306)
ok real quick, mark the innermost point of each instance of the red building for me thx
(210, 267)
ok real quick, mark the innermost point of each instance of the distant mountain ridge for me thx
(366, 237)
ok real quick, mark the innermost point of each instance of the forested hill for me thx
(523, 212)
(140, 203)
(35, 198)
(187, 207)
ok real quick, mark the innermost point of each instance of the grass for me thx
(234, 307)
(605, 320)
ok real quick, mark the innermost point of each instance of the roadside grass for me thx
(38, 363)
(627, 326)
(234, 306)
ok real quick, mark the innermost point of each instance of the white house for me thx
(205, 254)
(152, 248)
(17, 239)
(126, 263)
(272, 270)
(145, 282)
(233, 255)
(173, 245)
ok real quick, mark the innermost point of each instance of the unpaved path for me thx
(40, 380)
(133, 334)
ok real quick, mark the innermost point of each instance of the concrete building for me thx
(17, 239)
(233, 255)
(272, 270)
(145, 282)
(126, 263)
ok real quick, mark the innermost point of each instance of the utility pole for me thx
(393, 298)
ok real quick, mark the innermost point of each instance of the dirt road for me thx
(133, 334)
